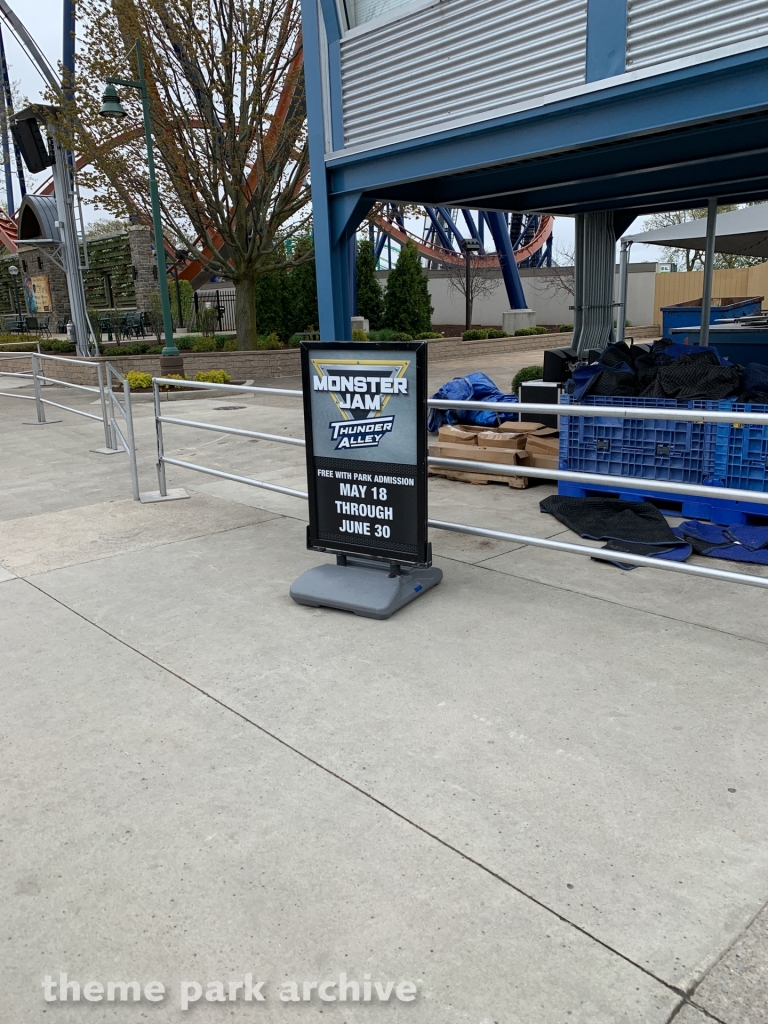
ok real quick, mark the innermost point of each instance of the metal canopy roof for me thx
(38, 219)
(739, 233)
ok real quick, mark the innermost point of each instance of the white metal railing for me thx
(163, 459)
(109, 403)
(465, 465)
(126, 413)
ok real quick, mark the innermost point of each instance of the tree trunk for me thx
(245, 314)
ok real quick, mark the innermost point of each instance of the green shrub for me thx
(385, 334)
(21, 346)
(204, 344)
(407, 303)
(139, 348)
(185, 343)
(360, 336)
(230, 345)
(213, 376)
(207, 318)
(427, 335)
(527, 373)
(494, 332)
(370, 297)
(269, 341)
(60, 347)
(520, 332)
(172, 376)
(294, 341)
(475, 335)
(137, 379)
(566, 327)
(222, 339)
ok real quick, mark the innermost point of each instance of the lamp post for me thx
(14, 272)
(111, 107)
(469, 245)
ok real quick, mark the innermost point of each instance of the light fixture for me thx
(110, 103)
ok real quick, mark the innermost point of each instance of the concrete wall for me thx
(548, 291)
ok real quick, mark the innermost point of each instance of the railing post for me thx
(36, 380)
(159, 436)
(104, 414)
(131, 441)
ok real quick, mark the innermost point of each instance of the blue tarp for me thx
(476, 387)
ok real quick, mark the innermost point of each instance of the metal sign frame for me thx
(420, 551)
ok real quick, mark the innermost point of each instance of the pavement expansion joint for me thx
(387, 807)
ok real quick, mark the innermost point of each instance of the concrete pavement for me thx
(537, 793)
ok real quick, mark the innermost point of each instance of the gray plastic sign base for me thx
(363, 587)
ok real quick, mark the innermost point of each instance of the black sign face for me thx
(365, 421)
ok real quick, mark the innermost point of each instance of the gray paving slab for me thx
(606, 760)
(150, 834)
(736, 988)
(718, 605)
(690, 1015)
(55, 539)
(6, 575)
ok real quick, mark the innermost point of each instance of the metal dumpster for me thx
(688, 314)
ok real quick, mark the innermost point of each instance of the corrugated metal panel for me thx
(460, 58)
(366, 10)
(660, 30)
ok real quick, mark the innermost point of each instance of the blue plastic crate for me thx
(741, 451)
(675, 450)
(685, 506)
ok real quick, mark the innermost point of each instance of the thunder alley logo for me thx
(361, 389)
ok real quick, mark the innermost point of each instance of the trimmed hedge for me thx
(527, 373)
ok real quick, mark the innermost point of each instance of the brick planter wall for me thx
(276, 363)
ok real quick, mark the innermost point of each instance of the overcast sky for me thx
(43, 19)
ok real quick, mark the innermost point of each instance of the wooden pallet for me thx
(518, 482)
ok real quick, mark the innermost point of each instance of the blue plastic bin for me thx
(660, 449)
(716, 454)
(741, 451)
(688, 314)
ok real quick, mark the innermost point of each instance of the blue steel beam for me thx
(702, 157)
(500, 234)
(473, 233)
(438, 228)
(445, 213)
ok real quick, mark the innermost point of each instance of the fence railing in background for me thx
(222, 300)
(629, 483)
(125, 411)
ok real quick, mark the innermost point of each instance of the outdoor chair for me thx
(44, 326)
(105, 326)
(31, 324)
(129, 324)
(15, 325)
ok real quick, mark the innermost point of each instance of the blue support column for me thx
(335, 219)
(500, 234)
(606, 38)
